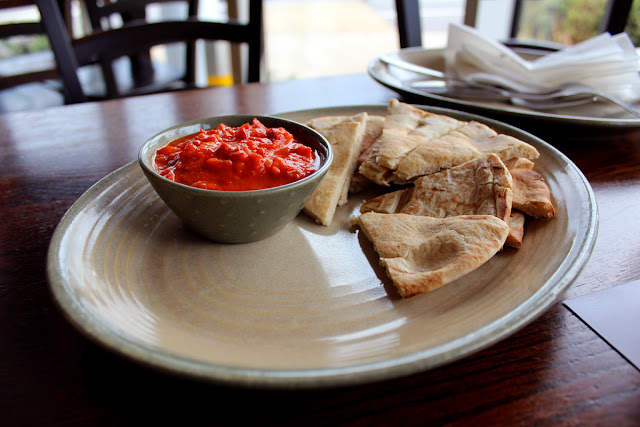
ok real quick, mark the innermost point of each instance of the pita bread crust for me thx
(372, 132)
(482, 186)
(507, 147)
(406, 127)
(415, 142)
(388, 203)
(516, 230)
(477, 131)
(371, 169)
(531, 194)
(373, 129)
(421, 253)
(478, 187)
(326, 122)
(468, 142)
(345, 138)
(518, 162)
(437, 154)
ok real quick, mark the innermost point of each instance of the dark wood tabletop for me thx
(555, 371)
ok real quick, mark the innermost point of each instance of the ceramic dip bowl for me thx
(235, 216)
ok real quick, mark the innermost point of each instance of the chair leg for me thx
(109, 79)
(190, 66)
(256, 46)
(142, 70)
(55, 28)
(409, 25)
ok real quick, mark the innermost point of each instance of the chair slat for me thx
(137, 36)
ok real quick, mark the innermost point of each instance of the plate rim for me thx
(525, 313)
(623, 123)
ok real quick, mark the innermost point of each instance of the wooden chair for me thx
(27, 80)
(410, 28)
(138, 35)
(104, 15)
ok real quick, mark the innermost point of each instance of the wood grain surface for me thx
(555, 371)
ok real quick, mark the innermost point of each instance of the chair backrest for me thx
(107, 15)
(26, 28)
(138, 35)
(101, 12)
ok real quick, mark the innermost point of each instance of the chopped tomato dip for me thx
(248, 157)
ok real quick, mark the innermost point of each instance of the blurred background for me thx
(311, 38)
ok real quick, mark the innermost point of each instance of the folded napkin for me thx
(605, 62)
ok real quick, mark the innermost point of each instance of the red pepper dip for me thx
(249, 157)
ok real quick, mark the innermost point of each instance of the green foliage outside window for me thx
(633, 24)
(570, 21)
(23, 44)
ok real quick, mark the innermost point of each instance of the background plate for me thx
(599, 116)
(307, 307)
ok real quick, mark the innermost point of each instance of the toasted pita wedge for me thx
(388, 203)
(478, 187)
(531, 194)
(470, 141)
(345, 138)
(444, 152)
(507, 147)
(371, 169)
(372, 132)
(516, 230)
(518, 162)
(326, 122)
(407, 127)
(421, 253)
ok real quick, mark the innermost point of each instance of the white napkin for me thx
(605, 62)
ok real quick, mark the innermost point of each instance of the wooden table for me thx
(555, 371)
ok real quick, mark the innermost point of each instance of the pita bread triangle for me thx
(516, 229)
(470, 141)
(406, 127)
(481, 186)
(421, 253)
(372, 132)
(388, 203)
(415, 142)
(531, 194)
(371, 169)
(345, 138)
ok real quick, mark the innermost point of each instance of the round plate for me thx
(592, 115)
(309, 306)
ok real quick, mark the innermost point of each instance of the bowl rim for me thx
(325, 164)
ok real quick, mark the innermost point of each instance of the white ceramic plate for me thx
(597, 114)
(308, 307)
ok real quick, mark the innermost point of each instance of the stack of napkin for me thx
(607, 63)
